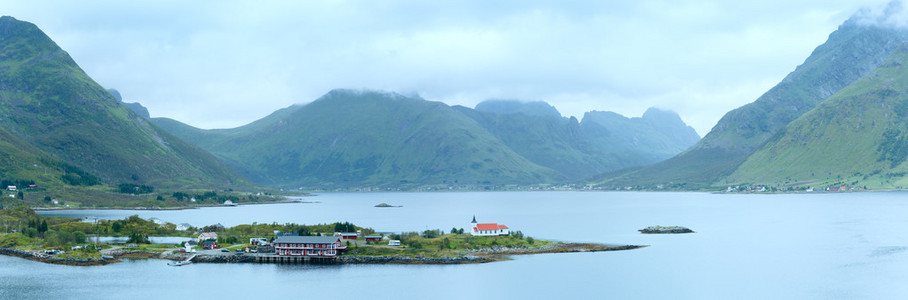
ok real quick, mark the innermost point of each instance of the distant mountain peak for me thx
(136, 107)
(508, 106)
(364, 92)
(116, 94)
(892, 15)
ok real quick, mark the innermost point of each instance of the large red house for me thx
(318, 246)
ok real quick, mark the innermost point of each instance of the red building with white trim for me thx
(488, 229)
(316, 246)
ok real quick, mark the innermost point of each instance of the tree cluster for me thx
(135, 189)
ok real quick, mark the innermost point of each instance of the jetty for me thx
(283, 259)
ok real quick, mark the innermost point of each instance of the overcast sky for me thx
(221, 64)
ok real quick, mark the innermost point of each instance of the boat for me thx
(179, 263)
(182, 262)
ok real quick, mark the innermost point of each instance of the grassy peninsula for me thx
(69, 241)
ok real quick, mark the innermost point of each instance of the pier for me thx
(279, 259)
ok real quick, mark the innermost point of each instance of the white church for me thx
(488, 229)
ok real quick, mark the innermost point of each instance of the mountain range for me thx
(837, 119)
(354, 137)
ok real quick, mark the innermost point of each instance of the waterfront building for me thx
(210, 244)
(316, 246)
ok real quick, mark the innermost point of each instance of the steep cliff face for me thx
(850, 53)
(50, 103)
(857, 137)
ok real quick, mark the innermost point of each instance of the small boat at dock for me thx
(179, 263)
(182, 262)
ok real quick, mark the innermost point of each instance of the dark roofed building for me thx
(209, 244)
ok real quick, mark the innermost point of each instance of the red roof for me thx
(487, 226)
(502, 227)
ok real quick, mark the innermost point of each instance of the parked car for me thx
(225, 250)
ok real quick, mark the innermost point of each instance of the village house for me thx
(183, 226)
(315, 246)
(373, 238)
(208, 236)
(488, 229)
(209, 244)
(349, 235)
(394, 243)
(156, 221)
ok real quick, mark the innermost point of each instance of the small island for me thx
(665, 230)
(68, 241)
(387, 205)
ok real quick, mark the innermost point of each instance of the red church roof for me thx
(487, 226)
(502, 227)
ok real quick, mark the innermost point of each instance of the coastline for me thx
(49, 259)
(485, 255)
(286, 201)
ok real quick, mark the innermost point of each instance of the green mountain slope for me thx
(859, 136)
(508, 107)
(553, 142)
(22, 163)
(656, 136)
(603, 141)
(353, 138)
(50, 103)
(851, 52)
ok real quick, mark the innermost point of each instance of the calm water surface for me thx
(819, 246)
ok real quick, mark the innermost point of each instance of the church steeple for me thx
(474, 219)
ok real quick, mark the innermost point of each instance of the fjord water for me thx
(786, 246)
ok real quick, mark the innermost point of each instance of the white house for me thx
(394, 243)
(208, 236)
(11, 188)
(488, 229)
(183, 226)
(156, 221)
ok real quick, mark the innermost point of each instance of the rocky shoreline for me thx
(50, 259)
(283, 201)
(665, 230)
(484, 255)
